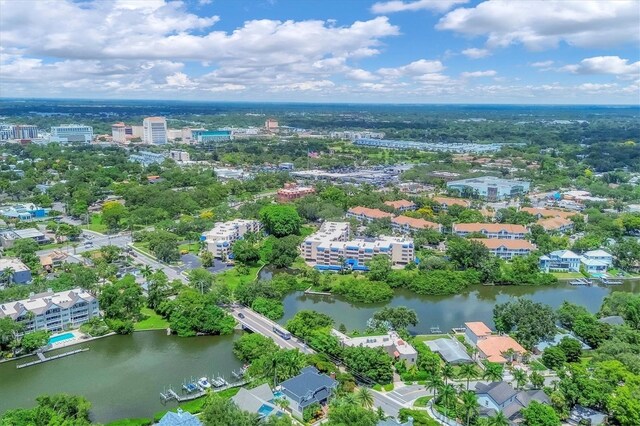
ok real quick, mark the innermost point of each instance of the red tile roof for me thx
(370, 213)
(415, 223)
(398, 204)
(452, 201)
(478, 328)
(490, 227)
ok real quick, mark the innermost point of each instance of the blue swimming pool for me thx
(278, 394)
(265, 410)
(60, 338)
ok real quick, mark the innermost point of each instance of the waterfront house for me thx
(507, 249)
(476, 331)
(395, 346)
(450, 350)
(502, 231)
(495, 348)
(501, 396)
(308, 387)
(600, 256)
(259, 400)
(560, 261)
(179, 418)
(593, 266)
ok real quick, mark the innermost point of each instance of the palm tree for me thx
(492, 371)
(468, 371)
(283, 403)
(447, 392)
(434, 383)
(7, 275)
(469, 404)
(499, 420)
(520, 377)
(446, 372)
(146, 271)
(509, 354)
(365, 397)
(381, 415)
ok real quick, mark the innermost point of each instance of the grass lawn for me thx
(422, 401)
(234, 279)
(53, 245)
(380, 387)
(567, 275)
(537, 366)
(131, 422)
(96, 224)
(144, 248)
(193, 248)
(197, 405)
(427, 337)
(152, 322)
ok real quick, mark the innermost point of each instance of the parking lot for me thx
(191, 261)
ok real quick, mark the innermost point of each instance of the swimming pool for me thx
(265, 410)
(278, 394)
(60, 338)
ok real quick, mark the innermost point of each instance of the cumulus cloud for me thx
(361, 75)
(416, 68)
(476, 74)
(475, 53)
(542, 64)
(404, 6)
(541, 25)
(605, 65)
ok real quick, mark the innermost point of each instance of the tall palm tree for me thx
(146, 271)
(492, 371)
(520, 377)
(447, 393)
(469, 404)
(7, 275)
(468, 371)
(283, 403)
(434, 383)
(499, 420)
(447, 372)
(365, 397)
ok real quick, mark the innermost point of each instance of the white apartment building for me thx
(179, 156)
(220, 239)
(330, 249)
(491, 230)
(72, 133)
(119, 132)
(52, 311)
(390, 342)
(154, 130)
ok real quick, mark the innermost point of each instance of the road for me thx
(260, 324)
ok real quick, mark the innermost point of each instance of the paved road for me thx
(390, 405)
(260, 324)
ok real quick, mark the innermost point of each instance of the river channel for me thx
(123, 375)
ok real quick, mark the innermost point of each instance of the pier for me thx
(316, 293)
(42, 358)
(170, 394)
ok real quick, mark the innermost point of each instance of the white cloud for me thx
(475, 53)
(476, 74)
(179, 79)
(403, 6)
(361, 75)
(544, 24)
(605, 65)
(413, 69)
(542, 64)
(595, 87)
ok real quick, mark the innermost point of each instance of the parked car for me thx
(240, 315)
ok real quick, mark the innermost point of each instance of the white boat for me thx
(203, 382)
(608, 281)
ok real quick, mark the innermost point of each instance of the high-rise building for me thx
(154, 131)
(119, 132)
(25, 131)
(271, 125)
(6, 132)
(72, 133)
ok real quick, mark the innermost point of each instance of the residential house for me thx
(365, 214)
(593, 266)
(307, 388)
(501, 396)
(450, 350)
(390, 342)
(52, 311)
(401, 205)
(406, 224)
(580, 415)
(443, 203)
(600, 256)
(476, 331)
(13, 271)
(507, 249)
(259, 400)
(556, 224)
(8, 238)
(179, 418)
(495, 348)
(52, 260)
(503, 231)
(560, 261)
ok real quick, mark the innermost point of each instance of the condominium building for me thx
(220, 239)
(271, 125)
(292, 191)
(365, 214)
(210, 136)
(393, 344)
(556, 224)
(507, 249)
(72, 133)
(489, 187)
(25, 131)
(154, 131)
(401, 205)
(52, 311)
(119, 132)
(13, 271)
(179, 156)
(541, 213)
(331, 249)
(443, 203)
(412, 224)
(491, 230)
(146, 158)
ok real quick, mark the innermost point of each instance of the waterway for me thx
(446, 312)
(122, 376)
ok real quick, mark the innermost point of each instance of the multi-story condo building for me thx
(556, 224)
(72, 133)
(292, 191)
(411, 224)
(507, 249)
(443, 203)
(13, 271)
(491, 230)
(401, 205)
(52, 311)
(154, 131)
(560, 261)
(180, 156)
(541, 213)
(331, 249)
(210, 136)
(220, 239)
(365, 214)
(146, 158)
(25, 131)
(489, 187)
(119, 132)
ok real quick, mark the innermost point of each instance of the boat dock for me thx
(42, 358)
(581, 281)
(316, 293)
(192, 390)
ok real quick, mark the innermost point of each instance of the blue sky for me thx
(431, 51)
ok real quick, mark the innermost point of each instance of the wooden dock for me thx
(316, 293)
(173, 395)
(42, 358)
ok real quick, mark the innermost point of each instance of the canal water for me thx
(122, 376)
(446, 312)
